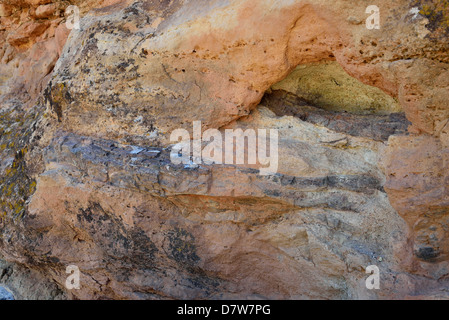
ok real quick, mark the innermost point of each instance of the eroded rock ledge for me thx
(376, 127)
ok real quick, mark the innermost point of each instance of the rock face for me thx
(5, 294)
(87, 178)
(316, 84)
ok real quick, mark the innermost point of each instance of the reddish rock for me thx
(418, 188)
(5, 10)
(26, 33)
(45, 11)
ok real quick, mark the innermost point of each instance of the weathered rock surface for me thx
(376, 127)
(317, 84)
(32, 35)
(85, 171)
(5, 294)
(21, 282)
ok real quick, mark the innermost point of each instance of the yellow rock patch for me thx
(328, 86)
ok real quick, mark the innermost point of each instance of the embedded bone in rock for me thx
(224, 149)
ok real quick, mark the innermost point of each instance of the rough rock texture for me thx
(377, 126)
(32, 34)
(86, 177)
(317, 85)
(23, 282)
(5, 294)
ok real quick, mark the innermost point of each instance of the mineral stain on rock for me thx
(16, 186)
(437, 11)
(182, 247)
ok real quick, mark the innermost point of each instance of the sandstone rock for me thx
(28, 23)
(45, 11)
(417, 184)
(223, 218)
(377, 127)
(168, 65)
(20, 283)
(330, 87)
(87, 178)
(423, 93)
(37, 2)
(26, 33)
(5, 10)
